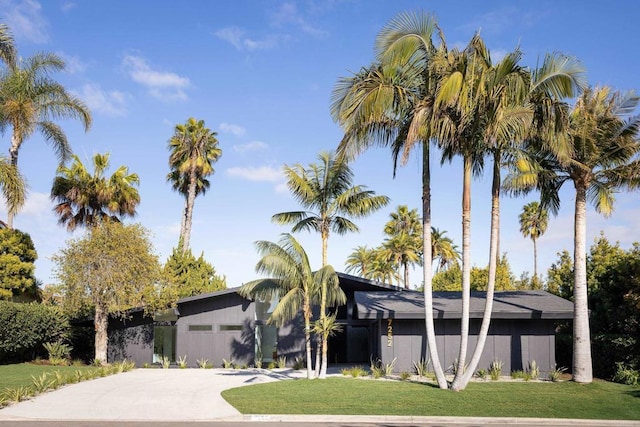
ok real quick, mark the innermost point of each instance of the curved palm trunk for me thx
(582, 365)
(188, 210)
(101, 323)
(466, 267)
(13, 157)
(460, 383)
(427, 268)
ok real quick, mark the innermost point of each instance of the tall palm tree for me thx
(84, 199)
(327, 190)
(391, 103)
(404, 244)
(533, 224)
(194, 148)
(383, 267)
(443, 249)
(292, 280)
(360, 261)
(30, 101)
(604, 158)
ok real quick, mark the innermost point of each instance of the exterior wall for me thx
(231, 337)
(515, 342)
(131, 339)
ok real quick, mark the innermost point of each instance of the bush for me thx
(626, 375)
(24, 328)
(59, 353)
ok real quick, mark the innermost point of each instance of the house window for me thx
(164, 343)
(224, 328)
(200, 328)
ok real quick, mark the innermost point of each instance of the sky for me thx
(260, 74)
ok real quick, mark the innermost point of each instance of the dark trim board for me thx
(379, 321)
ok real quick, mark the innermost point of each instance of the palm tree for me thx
(194, 149)
(360, 261)
(533, 223)
(327, 190)
(293, 281)
(404, 244)
(443, 249)
(7, 46)
(391, 103)
(84, 199)
(30, 100)
(604, 157)
(383, 267)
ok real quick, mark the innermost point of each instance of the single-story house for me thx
(378, 322)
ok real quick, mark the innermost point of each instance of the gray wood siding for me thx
(516, 343)
(132, 340)
(221, 312)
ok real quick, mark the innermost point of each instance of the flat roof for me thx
(448, 305)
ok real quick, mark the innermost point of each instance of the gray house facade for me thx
(378, 322)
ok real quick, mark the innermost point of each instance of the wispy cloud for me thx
(232, 129)
(112, 103)
(259, 174)
(73, 64)
(289, 15)
(250, 146)
(238, 38)
(67, 6)
(163, 85)
(25, 20)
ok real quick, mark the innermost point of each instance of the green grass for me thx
(346, 396)
(13, 376)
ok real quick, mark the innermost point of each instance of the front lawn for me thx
(17, 375)
(348, 396)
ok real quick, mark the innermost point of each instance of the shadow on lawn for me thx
(634, 393)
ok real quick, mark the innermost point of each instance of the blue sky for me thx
(260, 73)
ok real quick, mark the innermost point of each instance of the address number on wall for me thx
(389, 332)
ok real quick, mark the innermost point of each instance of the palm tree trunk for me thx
(101, 323)
(406, 275)
(535, 259)
(321, 345)
(13, 157)
(461, 384)
(466, 266)
(582, 365)
(306, 312)
(427, 268)
(188, 211)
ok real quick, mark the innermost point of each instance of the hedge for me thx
(24, 328)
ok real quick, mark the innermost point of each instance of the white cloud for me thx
(67, 6)
(236, 36)
(73, 64)
(233, 129)
(166, 86)
(250, 146)
(288, 14)
(111, 103)
(25, 20)
(259, 174)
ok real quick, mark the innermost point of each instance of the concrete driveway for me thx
(145, 395)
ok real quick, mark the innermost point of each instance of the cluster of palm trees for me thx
(325, 189)
(419, 92)
(30, 101)
(400, 250)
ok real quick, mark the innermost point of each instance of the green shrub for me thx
(271, 365)
(495, 370)
(404, 375)
(356, 371)
(379, 369)
(534, 370)
(229, 364)
(282, 362)
(24, 328)
(59, 353)
(298, 363)
(481, 374)
(182, 362)
(165, 362)
(555, 373)
(421, 367)
(626, 375)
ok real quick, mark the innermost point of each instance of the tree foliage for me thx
(190, 275)
(613, 278)
(110, 268)
(17, 257)
(451, 278)
(24, 328)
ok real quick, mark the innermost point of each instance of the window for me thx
(224, 328)
(164, 343)
(200, 328)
